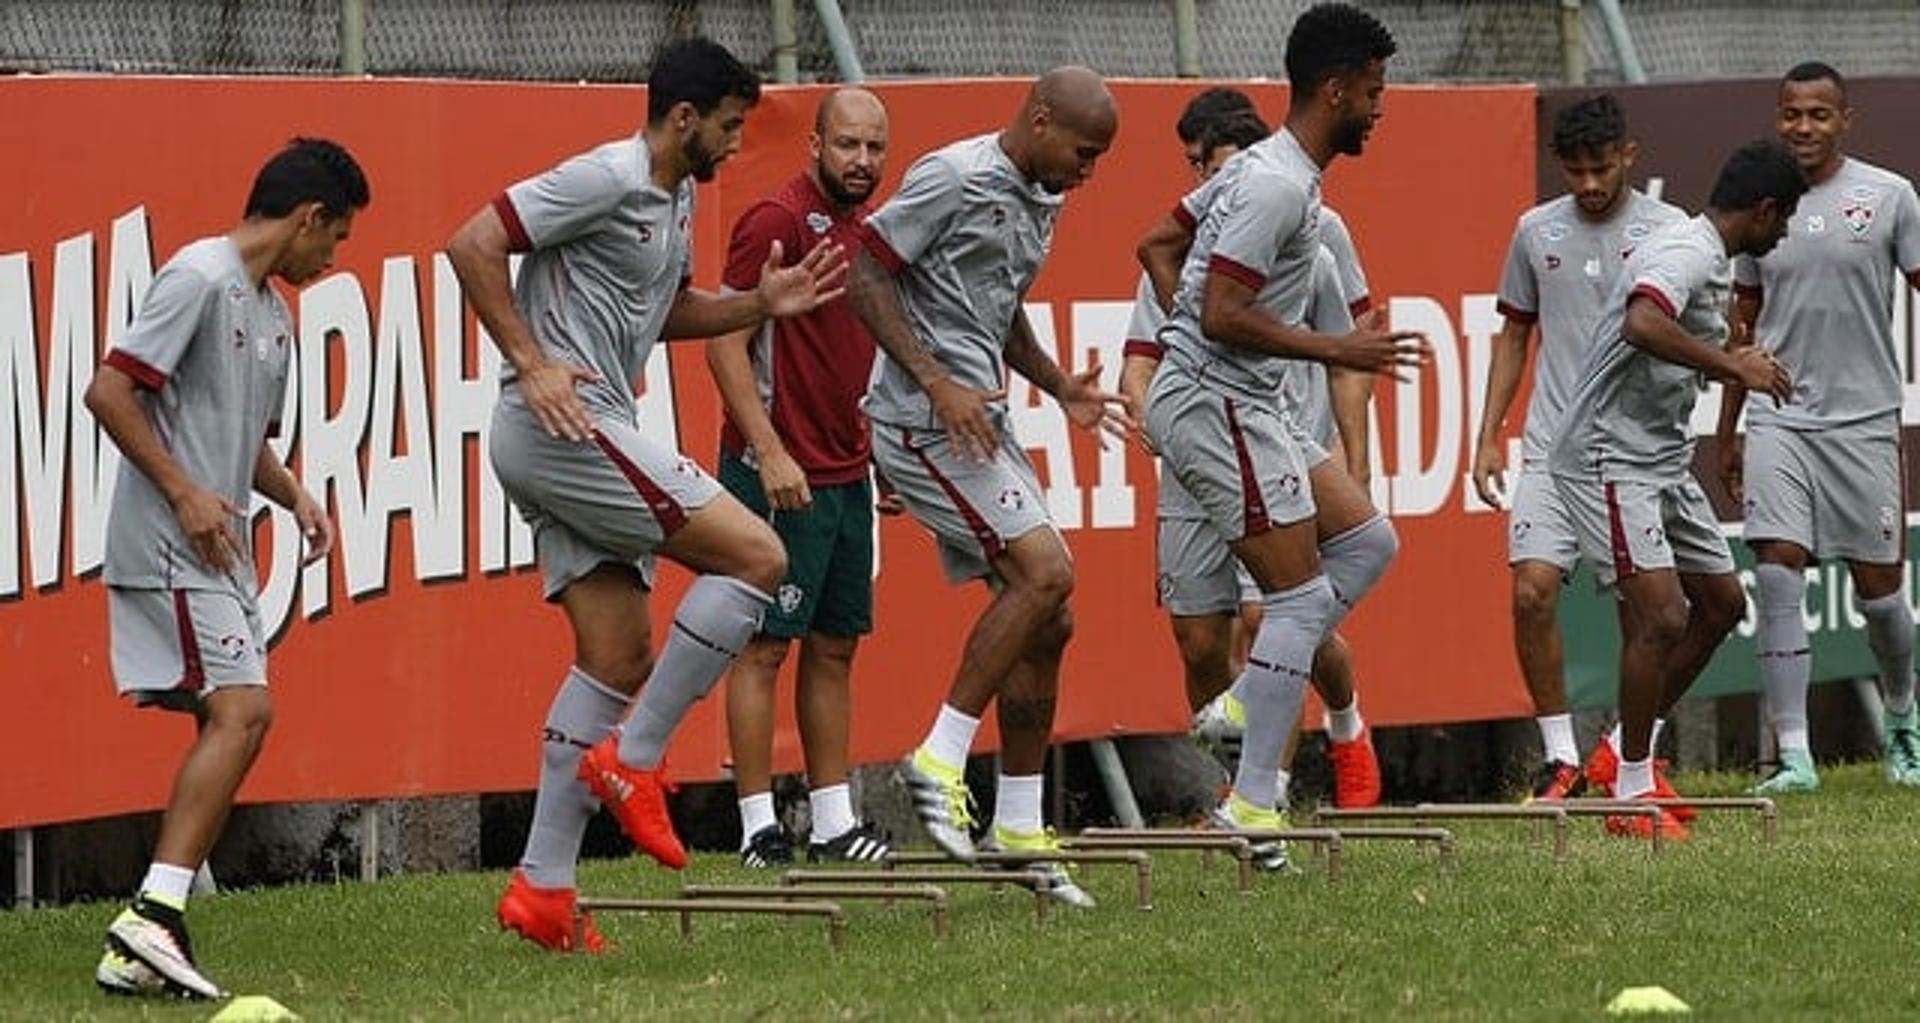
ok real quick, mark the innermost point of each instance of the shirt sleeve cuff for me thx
(517, 240)
(144, 375)
(1238, 272)
(1656, 296)
(1516, 314)
(877, 245)
(1143, 349)
(1183, 217)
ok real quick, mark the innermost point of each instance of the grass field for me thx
(1822, 925)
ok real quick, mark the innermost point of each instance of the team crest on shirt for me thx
(999, 216)
(1858, 217)
(1553, 261)
(818, 222)
(646, 234)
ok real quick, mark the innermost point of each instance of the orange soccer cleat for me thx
(547, 917)
(1356, 772)
(637, 798)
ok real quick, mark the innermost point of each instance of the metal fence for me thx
(610, 40)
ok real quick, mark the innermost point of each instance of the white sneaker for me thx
(1216, 723)
(157, 937)
(1060, 884)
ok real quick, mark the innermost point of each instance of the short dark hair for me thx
(1762, 169)
(1332, 40)
(699, 71)
(1207, 109)
(309, 170)
(1589, 126)
(1816, 71)
(1238, 130)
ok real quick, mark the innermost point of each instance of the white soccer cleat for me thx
(157, 937)
(942, 802)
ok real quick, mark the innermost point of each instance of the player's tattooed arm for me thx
(962, 411)
(1161, 254)
(1079, 394)
(1503, 382)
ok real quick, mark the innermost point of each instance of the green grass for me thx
(1822, 925)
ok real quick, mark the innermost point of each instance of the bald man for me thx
(795, 450)
(945, 266)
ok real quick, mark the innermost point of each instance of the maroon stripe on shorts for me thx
(665, 509)
(1617, 533)
(192, 675)
(1256, 506)
(989, 540)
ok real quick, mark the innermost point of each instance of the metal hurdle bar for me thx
(1555, 816)
(933, 896)
(1034, 882)
(1765, 809)
(686, 908)
(1141, 862)
(1178, 838)
(1207, 842)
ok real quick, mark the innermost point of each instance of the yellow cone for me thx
(255, 1009)
(1637, 1001)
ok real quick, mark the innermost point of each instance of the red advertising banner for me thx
(419, 659)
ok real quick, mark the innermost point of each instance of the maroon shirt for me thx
(811, 370)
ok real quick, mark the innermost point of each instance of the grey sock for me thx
(713, 623)
(1275, 681)
(1786, 661)
(1890, 637)
(583, 712)
(1357, 558)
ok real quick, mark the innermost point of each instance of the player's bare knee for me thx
(1536, 601)
(1055, 632)
(243, 710)
(1663, 623)
(762, 560)
(1722, 605)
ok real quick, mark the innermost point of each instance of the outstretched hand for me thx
(818, 278)
(1091, 408)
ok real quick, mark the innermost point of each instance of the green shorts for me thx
(829, 583)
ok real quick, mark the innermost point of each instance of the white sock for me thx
(832, 812)
(1286, 779)
(1016, 805)
(1791, 737)
(1345, 725)
(1659, 725)
(756, 815)
(951, 737)
(168, 884)
(1556, 737)
(1636, 779)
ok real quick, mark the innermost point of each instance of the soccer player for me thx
(1622, 457)
(1561, 265)
(1215, 409)
(606, 273)
(946, 263)
(190, 395)
(796, 450)
(1821, 477)
(1199, 580)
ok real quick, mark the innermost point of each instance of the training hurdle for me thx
(1036, 883)
(1554, 815)
(1319, 839)
(933, 896)
(836, 918)
(1141, 863)
(1763, 808)
(1146, 839)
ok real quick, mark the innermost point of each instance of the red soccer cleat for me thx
(547, 917)
(1637, 826)
(1356, 772)
(1663, 789)
(1603, 767)
(637, 798)
(1557, 781)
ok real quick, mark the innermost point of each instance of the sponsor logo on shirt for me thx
(1816, 224)
(819, 222)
